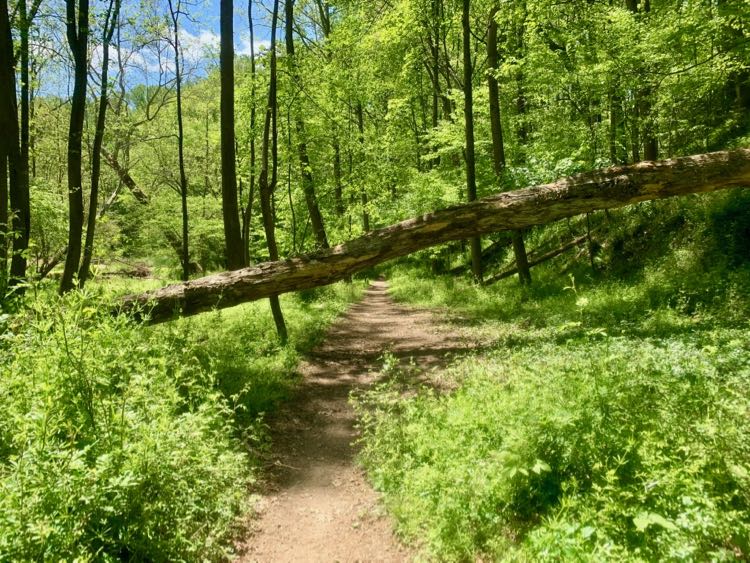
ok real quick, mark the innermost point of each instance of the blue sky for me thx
(200, 43)
(206, 24)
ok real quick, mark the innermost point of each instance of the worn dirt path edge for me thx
(317, 504)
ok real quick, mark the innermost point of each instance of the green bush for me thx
(100, 455)
(120, 441)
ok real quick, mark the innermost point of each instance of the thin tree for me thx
(110, 23)
(498, 148)
(308, 182)
(174, 12)
(364, 200)
(471, 178)
(22, 205)
(3, 221)
(266, 186)
(235, 255)
(9, 148)
(324, 20)
(77, 27)
(248, 210)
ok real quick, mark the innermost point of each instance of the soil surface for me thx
(317, 504)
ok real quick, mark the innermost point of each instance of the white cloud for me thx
(244, 45)
(158, 58)
(195, 47)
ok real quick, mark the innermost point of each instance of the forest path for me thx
(317, 505)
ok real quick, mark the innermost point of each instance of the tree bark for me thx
(471, 176)
(601, 189)
(78, 37)
(235, 254)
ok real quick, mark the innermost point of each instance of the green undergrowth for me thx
(604, 417)
(120, 441)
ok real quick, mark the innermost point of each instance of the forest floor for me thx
(316, 504)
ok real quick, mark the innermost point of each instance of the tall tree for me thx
(9, 149)
(646, 113)
(498, 147)
(26, 15)
(266, 186)
(77, 27)
(175, 12)
(235, 254)
(364, 200)
(248, 210)
(308, 182)
(471, 176)
(3, 221)
(110, 22)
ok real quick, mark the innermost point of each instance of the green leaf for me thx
(644, 519)
(587, 532)
(540, 466)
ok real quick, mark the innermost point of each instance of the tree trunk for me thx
(645, 111)
(235, 254)
(498, 148)
(10, 150)
(266, 187)
(539, 259)
(650, 142)
(125, 177)
(96, 159)
(248, 211)
(601, 189)
(471, 177)
(78, 36)
(23, 204)
(9, 124)
(364, 200)
(338, 188)
(3, 221)
(175, 12)
(308, 182)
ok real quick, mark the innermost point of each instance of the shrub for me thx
(100, 455)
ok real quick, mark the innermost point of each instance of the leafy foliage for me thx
(605, 419)
(124, 442)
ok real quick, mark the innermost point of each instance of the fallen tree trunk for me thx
(603, 189)
(125, 177)
(536, 260)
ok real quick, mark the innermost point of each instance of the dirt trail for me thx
(318, 505)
